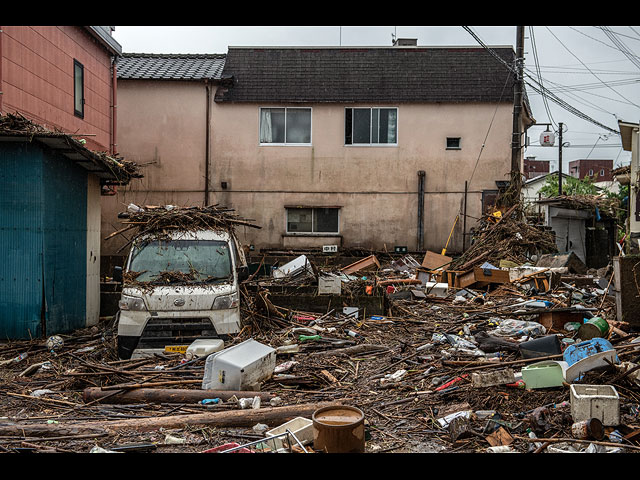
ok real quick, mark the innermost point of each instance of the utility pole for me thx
(560, 159)
(517, 108)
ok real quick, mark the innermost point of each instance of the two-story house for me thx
(57, 124)
(355, 146)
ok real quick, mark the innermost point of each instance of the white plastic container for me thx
(204, 346)
(241, 367)
(301, 427)
(437, 289)
(595, 401)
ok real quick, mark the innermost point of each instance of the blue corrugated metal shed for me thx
(43, 230)
(43, 242)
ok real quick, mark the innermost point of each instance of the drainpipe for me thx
(420, 209)
(114, 115)
(1, 95)
(208, 141)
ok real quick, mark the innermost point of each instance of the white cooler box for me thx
(241, 367)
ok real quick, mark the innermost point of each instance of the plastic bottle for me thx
(533, 445)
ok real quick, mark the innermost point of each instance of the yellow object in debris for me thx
(444, 250)
(497, 214)
(176, 349)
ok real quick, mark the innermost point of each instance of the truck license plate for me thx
(176, 349)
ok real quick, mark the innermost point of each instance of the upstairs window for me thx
(78, 89)
(371, 126)
(313, 220)
(453, 143)
(285, 126)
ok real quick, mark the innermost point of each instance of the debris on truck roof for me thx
(159, 222)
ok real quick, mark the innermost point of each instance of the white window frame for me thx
(313, 209)
(352, 144)
(286, 144)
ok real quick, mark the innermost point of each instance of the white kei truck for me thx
(159, 313)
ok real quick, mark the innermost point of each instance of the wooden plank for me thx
(370, 261)
(434, 261)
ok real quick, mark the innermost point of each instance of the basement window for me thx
(285, 126)
(453, 143)
(313, 220)
(371, 126)
(78, 89)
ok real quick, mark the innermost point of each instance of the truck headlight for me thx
(224, 302)
(131, 303)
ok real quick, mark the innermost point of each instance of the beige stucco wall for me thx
(162, 127)
(376, 187)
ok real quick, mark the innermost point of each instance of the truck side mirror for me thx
(243, 273)
(117, 274)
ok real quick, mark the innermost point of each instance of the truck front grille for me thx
(160, 332)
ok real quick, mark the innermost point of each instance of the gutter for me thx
(1, 94)
(114, 106)
(207, 144)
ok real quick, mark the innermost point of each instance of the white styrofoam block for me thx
(595, 401)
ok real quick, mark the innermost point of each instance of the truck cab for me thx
(179, 289)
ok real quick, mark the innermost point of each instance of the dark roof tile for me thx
(376, 74)
(139, 66)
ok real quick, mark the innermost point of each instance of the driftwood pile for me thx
(508, 237)
(16, 124)
(158, 222)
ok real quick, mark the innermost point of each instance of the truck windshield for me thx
(182, 261)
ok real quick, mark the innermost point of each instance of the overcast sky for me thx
(592, 72)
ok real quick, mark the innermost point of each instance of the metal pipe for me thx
(114, 107)
(1, 94)
(421, 176)
(464, 219)
(208, 141)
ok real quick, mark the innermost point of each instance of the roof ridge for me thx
(173, 55)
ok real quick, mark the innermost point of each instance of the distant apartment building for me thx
(597, 170)
(533, 168)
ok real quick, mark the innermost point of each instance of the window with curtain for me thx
(371, 126)
(313, 220)
(78, 88)
(285, 126)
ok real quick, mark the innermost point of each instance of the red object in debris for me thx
(228, 446)
(451, 382)
(518, 384)
(391, 289)
(303, 318)
(369, 289)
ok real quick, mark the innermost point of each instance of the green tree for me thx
(570, 186)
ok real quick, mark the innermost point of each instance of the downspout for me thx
(1, 95)
(208, 142)
(114, 106)
(420, 210)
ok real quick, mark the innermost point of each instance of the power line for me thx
(621, 46)
(585, 66)
(540, 88)
(537, 64)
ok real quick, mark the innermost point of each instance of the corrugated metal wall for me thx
(21, 240)
(65, 244)
(43, 218)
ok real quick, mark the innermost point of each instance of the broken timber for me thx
(236, 418)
